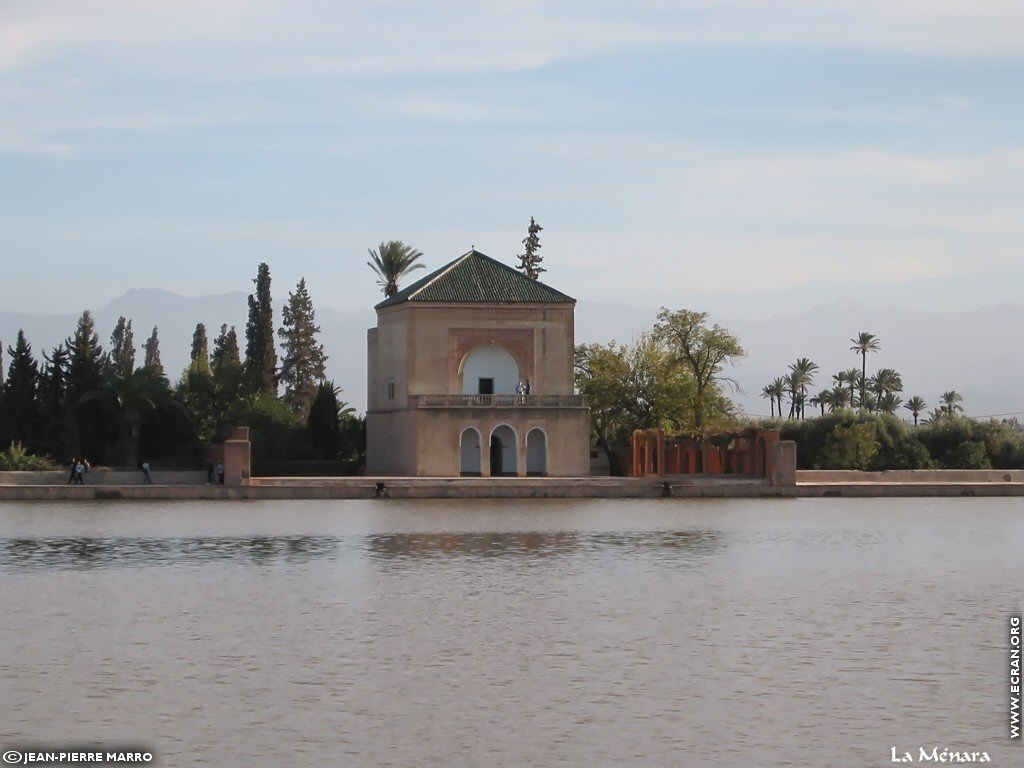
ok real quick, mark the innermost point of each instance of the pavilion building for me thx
(444, 365)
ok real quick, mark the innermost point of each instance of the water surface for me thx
(473, 633)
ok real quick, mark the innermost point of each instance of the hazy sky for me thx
(738, 155)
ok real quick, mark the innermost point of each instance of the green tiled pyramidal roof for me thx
(474, 278)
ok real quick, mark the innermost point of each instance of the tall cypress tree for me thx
(84, 373)
(54, 437)
(304, 359)
(197, 390)
(529, 262)
(200, 356)
(225, 350)
(20, 406)
(122, 348)
(226, 366)
(322, 424)
(260, 355)
(152, 348)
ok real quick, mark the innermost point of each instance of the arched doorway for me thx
(503, 451)
(469, 452)
(536, 452)
(489, 371)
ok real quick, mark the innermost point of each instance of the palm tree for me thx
(915, 405)
(767, 392)
(801, 375)
(951, 402)
(838, 398)
(852, 376)
(820, 400)
(886, 381)
(142, 390)
(864, 343)
(793, 388)
(778, 390)
(392, 261)
(888, 402)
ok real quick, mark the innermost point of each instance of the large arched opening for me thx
(536, 452)
(489, 371)
(469, 452)
(503, 451)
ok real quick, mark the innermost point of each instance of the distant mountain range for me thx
(974, 352)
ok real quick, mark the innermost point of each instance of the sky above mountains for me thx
(736, 155)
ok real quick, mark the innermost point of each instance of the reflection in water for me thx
(542, 544)
(93, 553)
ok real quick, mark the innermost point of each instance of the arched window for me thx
(469, 452)
(503, 451)
(489, 371)
(536, 452)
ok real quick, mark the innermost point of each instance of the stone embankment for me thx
(102, 485)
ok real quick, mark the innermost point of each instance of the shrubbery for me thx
(17, 459)
(849, 440)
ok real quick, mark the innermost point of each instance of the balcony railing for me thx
(497, 401)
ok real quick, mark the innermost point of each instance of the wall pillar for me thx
(783, 463)
(520, 453)
(237, 457)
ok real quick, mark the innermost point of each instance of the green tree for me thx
(638, 386)
(226, 366)
(529, 262)
(323, 422)
(821, 400)
(916, 405)
(85, 367)
(601, 373)
(304, 361)
(850, 446)
(54, 415)
(702, 350)
(197, 391)
(886, 381)
(145, 389)
(801, 376)
(838, 398)
(863, 343)
(970, 454)
(122, 348)
(951, 401)
(18, 402)
(888, 402)
(778, 389)
(200, 354)
(391, 262)
(852, 377)
(260, 354)
(769, 395)
(152, 359)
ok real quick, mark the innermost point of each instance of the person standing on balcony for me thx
(529, 387)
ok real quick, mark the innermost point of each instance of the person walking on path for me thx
(220, 474)
(209, 473)
(71, 475)
(79, 473)
(145, 472)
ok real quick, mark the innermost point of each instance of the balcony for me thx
(497, 401)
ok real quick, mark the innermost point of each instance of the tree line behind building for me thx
(87, 401)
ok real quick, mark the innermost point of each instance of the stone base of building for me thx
(477, 441)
